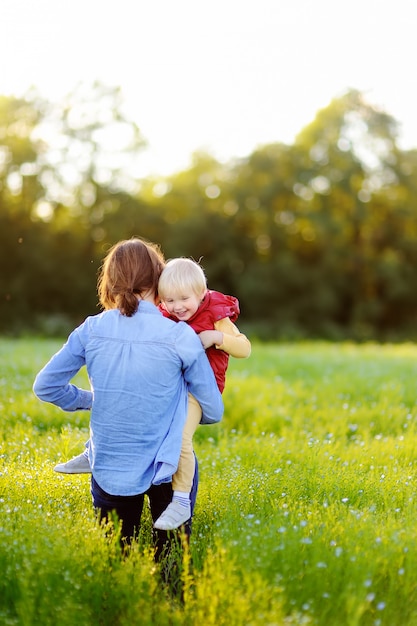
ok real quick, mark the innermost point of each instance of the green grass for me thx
(305, 514)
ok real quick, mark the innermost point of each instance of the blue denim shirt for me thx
(140, 370)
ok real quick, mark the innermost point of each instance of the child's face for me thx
(183, 305)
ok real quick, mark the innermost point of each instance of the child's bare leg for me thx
(179, 510)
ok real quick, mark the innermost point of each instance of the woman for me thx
(141, 366)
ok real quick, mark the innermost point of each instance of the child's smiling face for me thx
(183, 305)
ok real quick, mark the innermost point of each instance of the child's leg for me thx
(183, 478)
(179, 510)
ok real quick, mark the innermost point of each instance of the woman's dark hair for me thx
(131, 268)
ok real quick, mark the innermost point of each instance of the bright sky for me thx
(220, 75)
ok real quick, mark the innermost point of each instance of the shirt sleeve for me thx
(52, 384)
(199, 375)
(234, 343)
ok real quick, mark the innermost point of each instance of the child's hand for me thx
(210, 338)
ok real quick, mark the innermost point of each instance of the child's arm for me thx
(227, 337)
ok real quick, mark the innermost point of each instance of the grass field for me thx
(306, 512)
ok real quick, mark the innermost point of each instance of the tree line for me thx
(316, 239)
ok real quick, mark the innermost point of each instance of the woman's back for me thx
(140, 397)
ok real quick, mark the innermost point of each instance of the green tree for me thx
(58, 179)
(348, 176)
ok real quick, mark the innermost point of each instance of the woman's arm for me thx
(199, 375)
(52, 384)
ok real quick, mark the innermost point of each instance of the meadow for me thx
(306, 511)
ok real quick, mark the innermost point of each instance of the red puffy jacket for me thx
(215, 306)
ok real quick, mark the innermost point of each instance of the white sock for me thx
(182, 497)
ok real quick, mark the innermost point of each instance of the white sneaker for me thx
(173, 517)
(78, 465)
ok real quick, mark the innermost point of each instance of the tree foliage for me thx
(316, 238)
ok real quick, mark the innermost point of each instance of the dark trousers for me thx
(128, 510)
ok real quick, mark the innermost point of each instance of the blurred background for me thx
(275, 144)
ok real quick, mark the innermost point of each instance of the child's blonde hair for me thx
(179, 275)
